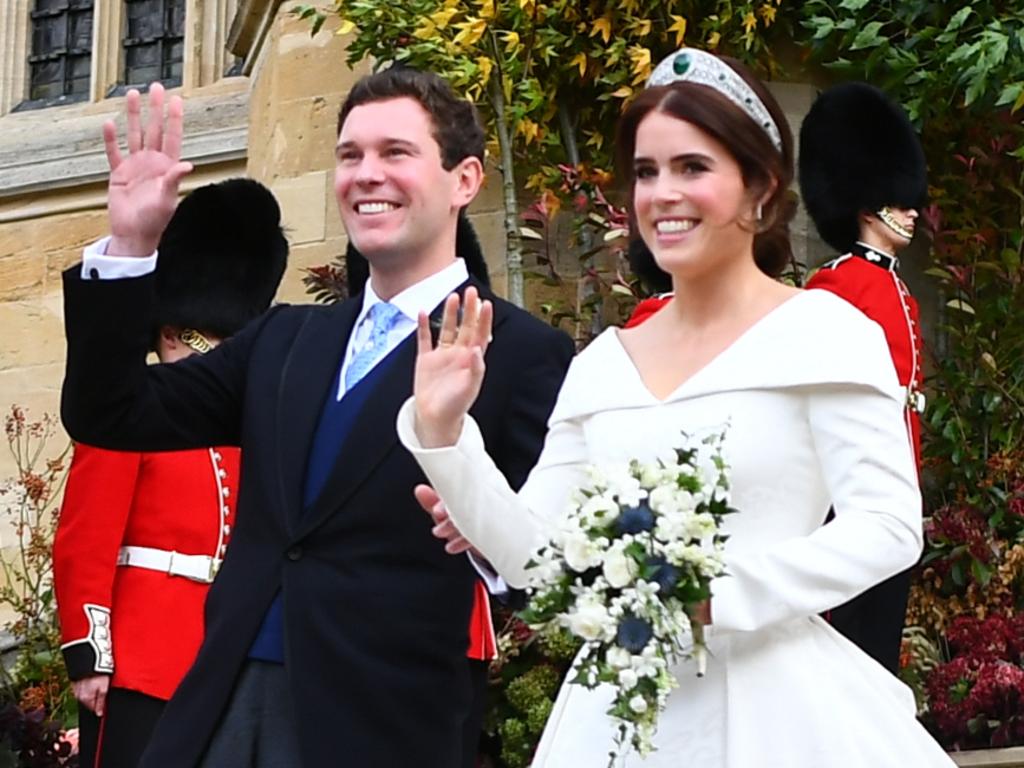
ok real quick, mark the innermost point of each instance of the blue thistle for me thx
(634, 634)
(635, 519)
(666, 575)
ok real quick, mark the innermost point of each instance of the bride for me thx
(814, 413)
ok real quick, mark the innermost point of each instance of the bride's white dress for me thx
(814, 416)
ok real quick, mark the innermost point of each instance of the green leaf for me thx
(958, 19)
(822, 26)
(957, 574)
(853, 5)
(981, 572)
(1010, 94)
(868, 37)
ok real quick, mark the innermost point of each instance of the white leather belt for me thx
(201, 568)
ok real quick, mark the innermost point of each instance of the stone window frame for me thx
(162, 43)
(206, 58)
(39, 17)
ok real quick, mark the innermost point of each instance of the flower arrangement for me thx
(626, 573)
(976, 699)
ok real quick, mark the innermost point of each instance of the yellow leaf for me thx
(425, 30)
(768, 14)
(749, 22)
(528, 5)
(679, 27)
(713, 39)
(511, 42)
(536, 181)
(506, 88)
(623, 92)
(486, 65)
(641, 58)
(602, 26)
(442, 17)
(346, 27)
(470, 32)
(487, 10)
(528, 129)
(643, 28)
(595, 139)
(580, 60)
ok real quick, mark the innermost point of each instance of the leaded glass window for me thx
(154, 41)
(61, 50)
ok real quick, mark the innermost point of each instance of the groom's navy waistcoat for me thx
(336, 420)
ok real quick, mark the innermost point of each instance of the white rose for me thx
(628, 678)
(589, 621)
(599, 509)
(663, 499)
(619, 569)
(638, 704)
(580, 553)
(618, 658)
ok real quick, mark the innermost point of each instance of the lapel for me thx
(309, 372)
(373, 435)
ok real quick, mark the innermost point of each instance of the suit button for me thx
(294, 553)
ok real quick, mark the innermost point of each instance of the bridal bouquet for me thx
(636, 554)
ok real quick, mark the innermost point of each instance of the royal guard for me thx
(863, 180)
(141, 535)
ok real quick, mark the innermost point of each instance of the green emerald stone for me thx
(681, 63)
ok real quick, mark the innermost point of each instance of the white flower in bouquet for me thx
(619, 568)
(591, 621)
(581, 553)
(639, 549)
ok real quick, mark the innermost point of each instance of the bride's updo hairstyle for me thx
(722, 98)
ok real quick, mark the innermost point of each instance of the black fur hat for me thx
(467, 247)
(858, 152)
(221, 258)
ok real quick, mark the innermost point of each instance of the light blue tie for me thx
(382, 318)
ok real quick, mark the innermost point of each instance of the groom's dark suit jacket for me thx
(375, 611)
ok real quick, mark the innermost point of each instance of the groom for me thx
(336, 628)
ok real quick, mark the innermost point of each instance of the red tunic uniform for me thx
(127, 605)
(868, 280)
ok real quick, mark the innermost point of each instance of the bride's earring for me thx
(759, 213)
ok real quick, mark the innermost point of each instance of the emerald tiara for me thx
(691, 65)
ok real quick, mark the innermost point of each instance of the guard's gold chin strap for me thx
(887, 217)
(195, 341)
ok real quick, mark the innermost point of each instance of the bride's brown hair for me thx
(759, 161)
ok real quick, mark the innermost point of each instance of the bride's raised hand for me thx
(143, 189)
(449, 375)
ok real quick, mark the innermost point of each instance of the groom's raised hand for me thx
(143, 189)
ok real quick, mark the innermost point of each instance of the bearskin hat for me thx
(467, 247)
(858, 152)
(221, 258)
